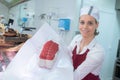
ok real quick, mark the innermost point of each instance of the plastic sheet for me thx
(25, 66)
(48, 54)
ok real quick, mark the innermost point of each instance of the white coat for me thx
(93, 61)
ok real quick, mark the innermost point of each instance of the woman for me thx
(87, 54)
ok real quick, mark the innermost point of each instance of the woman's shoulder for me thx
(74, 41)
(98, 50)
(97, 53)
(99, 47)
(78, 36)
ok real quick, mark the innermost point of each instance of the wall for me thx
(4, 10)
(61, 9)
(20, 11)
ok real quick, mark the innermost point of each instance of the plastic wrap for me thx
(25, 66)
(48, 54)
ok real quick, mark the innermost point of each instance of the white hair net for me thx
(90, 10)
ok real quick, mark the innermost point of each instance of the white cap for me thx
(90, 10)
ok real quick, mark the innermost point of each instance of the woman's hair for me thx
(96, 32)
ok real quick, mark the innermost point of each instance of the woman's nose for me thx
(85, 26)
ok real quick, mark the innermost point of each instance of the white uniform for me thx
(93, 61)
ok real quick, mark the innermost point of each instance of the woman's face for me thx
(87, 26)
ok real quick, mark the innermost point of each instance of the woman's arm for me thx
(93, 61)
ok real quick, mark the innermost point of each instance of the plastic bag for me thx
(25, 66)
(48, 54)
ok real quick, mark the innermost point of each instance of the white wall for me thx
(62, 9)
(18, 12)
(4, 10)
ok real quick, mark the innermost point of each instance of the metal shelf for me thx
(116, 75)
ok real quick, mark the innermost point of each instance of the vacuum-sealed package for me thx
(42, 57)
(48, 54)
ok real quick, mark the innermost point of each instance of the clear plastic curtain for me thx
(24, 66)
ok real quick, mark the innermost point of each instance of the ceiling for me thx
(12, 3)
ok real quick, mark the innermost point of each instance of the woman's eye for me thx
(90, 23)
(81, 22)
